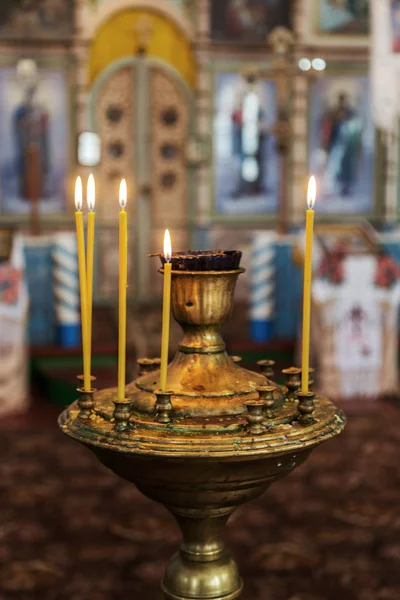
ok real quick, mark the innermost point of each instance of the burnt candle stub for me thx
(204, 260)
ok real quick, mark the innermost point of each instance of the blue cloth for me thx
(261, 330)
(39, 274)
(69, 336)
(287, 293)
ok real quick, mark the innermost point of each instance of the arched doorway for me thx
(142, 108)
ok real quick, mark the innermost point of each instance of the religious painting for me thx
(395, 25)
(36, 19)
(343, 16)
(248, 21)
(348, 239)
(246, 169)
(33, 121)
(341, 144)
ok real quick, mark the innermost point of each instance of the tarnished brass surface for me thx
(201, 480)
(201, 370)
(122, 415)
(148, 365)
(86, 400)
(204, 457)
(163, 406)
(191, 438)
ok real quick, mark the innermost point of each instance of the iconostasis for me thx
(214, 112)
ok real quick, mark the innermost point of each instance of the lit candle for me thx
(311, 194)
(123, 276)
(80, 236)
(166, 311)
(91, 199)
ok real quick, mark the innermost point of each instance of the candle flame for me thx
(91, 193)
(311, 192)
(123, 193)
(78, 194)
(167, 246)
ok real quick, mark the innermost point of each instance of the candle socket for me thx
(293, 381)
(147, 365)
(306, 407)
(163, 406)
(122, 414)
(255, 416)
(266, 368)
(236, 359)
(266, 394)
(86, 401)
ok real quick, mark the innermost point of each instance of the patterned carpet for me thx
(69, 530)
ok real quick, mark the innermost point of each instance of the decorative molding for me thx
(91, 21)
(307, 33)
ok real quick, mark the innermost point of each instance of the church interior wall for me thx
(180, 36)
(216, 113)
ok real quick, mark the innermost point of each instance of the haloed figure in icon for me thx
(31, 128)
(249, 133)
(340, 138)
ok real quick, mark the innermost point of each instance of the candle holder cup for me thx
(267, 368)
(163, 406)
(147, 365)
(293, 381)
(86, 400)
(306, 407)
(255, 416)
(236, 359)
(122, 415)
(267, 395)
(225, 444)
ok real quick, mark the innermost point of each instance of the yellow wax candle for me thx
(311, 194)
(123, 276)
(80, 237)
(166, 311)
(91, 199)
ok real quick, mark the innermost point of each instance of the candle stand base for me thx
(202, 569)
(219, 580)
(216, 440)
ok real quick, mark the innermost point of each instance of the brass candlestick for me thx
(86, 401)
(306, 407)
(163, 406)
(267, 394)
(122, 414)
(147, 365)
(293, 381)
(255, 416)
(236, 359)
(266, 368)
(219, 448)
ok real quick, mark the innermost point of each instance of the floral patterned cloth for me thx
(70, 530)
(354, 325)
(331, 268)
(10, 288)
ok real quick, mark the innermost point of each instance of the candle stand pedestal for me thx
(217, 439)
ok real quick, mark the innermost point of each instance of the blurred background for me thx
(216, 113)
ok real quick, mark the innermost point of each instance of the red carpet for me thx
(70, 530)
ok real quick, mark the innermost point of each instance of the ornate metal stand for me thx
(219, 439)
